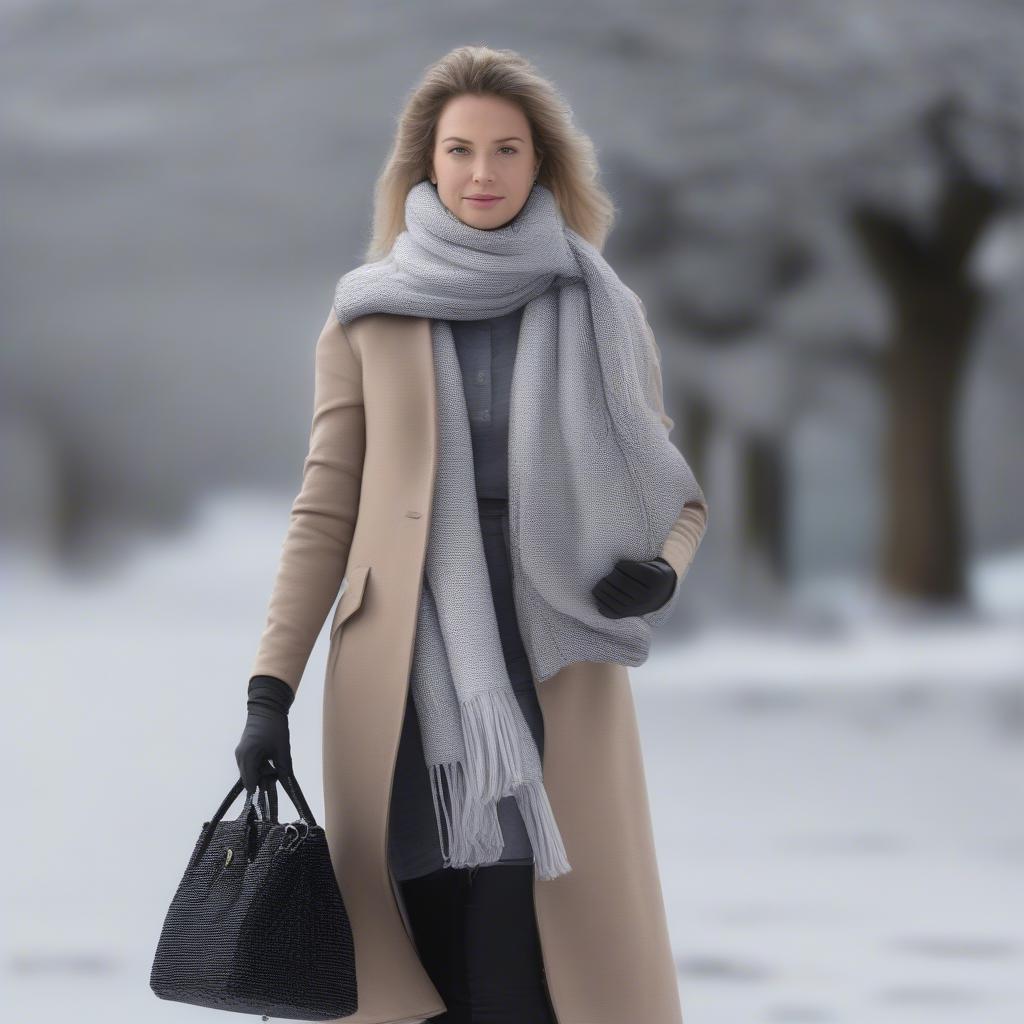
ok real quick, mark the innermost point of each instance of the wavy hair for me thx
(569, 166)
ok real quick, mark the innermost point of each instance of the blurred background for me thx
(822, 206)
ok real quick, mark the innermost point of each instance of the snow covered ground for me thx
(838, 806)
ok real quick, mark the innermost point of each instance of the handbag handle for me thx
(291, 786)
(267, 784)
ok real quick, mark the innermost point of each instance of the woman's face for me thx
(483, 146)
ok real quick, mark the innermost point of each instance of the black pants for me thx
(476, 934)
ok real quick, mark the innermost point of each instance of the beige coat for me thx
(360, 524)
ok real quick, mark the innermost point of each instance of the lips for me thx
(488, 201)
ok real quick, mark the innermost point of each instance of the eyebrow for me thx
(509, 138)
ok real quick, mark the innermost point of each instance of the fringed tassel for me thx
(475, 837)
(493, 764)
(548, 851)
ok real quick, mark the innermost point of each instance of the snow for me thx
(836, 801)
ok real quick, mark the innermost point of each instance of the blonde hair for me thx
(569, 166)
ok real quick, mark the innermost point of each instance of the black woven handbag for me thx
(257, 924)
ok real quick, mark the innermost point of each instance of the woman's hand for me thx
(265, 735)
(635, 588)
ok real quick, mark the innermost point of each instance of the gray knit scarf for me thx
(593, 477)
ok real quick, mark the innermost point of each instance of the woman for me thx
(491, 485)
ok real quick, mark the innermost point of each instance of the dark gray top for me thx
(487, 352)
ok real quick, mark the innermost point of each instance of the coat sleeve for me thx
(684, 538)
(688, 530)
(323, 515)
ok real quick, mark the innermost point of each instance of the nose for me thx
(481, 172)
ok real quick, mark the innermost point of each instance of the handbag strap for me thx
(268, 796)
(232, 796)
(291, 786)
(267, 789)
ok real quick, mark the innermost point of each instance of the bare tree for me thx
(935, 306)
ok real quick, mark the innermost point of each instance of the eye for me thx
(511, 149)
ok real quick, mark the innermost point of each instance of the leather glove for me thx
(635, 588)
(265, 735)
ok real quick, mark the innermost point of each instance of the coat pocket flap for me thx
(352, 588)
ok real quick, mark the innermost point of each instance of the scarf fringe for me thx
(480, 840)
(548, 850)
(477, 837)
(495, 764)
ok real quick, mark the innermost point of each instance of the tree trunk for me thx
(935, 305)
(922, 549)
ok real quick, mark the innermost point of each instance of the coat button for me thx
(413, 514)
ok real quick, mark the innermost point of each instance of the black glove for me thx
(266, 731)
(635, 588)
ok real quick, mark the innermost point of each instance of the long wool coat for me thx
(360, 524)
